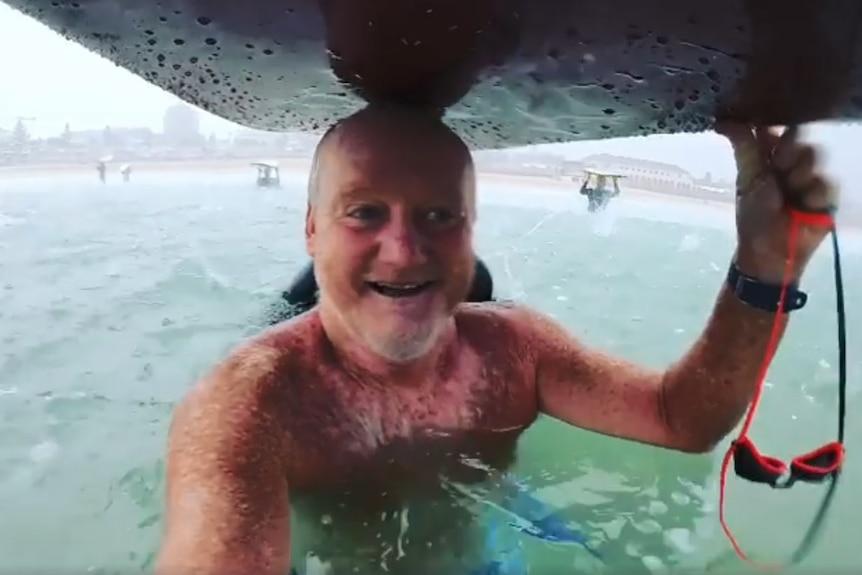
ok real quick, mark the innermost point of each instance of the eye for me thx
(366, 213)
(440, 215)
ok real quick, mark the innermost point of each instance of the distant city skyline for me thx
(56, 81)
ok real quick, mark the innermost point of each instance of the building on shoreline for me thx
(644, 174)
(647, 175)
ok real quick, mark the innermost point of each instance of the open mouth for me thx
(399, 290)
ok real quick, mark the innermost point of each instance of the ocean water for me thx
(114, 298)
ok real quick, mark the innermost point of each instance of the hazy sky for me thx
(57, 81)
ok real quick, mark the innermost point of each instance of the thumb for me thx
(769, 138)
(746, 152)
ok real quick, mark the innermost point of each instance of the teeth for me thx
(398, 286)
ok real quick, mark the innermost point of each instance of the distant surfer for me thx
(600, 193)
(126, 172)
(392, 380)
(101, 168)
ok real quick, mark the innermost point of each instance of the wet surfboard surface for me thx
(509, 72)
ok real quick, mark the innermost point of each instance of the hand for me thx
(764, 157)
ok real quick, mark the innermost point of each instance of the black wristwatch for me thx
(763, 296)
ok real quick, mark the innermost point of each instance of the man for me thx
(392, 373)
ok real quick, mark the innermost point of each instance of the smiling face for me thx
(389, 225)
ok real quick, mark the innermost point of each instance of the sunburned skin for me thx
(470, 402)
(370, 457)
(332, 433)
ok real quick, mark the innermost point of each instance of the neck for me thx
(358, 358)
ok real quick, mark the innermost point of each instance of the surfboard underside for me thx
(508, 72)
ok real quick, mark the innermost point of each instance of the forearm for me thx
(706, 393)
(211, 552)
(226, 525)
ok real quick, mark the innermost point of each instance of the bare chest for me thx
(474, 399)
(475, 412)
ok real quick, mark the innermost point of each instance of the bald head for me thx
(390, 134)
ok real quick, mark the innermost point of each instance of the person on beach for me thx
(391, 378)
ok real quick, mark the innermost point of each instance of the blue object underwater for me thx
(537, 519)
(506, 561)
(528, 515)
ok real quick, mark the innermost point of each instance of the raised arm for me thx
(697, 401)
(227, 508)
(689, 407)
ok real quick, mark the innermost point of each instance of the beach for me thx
(293, 166)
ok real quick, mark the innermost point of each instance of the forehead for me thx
(391, 160)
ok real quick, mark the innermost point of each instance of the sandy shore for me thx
(203, 165)
(300, 166)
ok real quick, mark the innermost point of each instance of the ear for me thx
(309, 230)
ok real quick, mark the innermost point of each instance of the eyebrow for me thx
(353, 189)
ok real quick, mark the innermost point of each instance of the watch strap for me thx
(763, 296)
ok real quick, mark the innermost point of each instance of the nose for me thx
(402, 243)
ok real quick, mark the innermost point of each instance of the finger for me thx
(818, 195)
(746, 152)
(783, 134)
(788, 152)
(768, 139)
(790, 134)
(801, 172)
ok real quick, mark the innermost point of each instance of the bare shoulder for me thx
(238, 405)
(560, 355)
(585, 386)
(479, 321)
(531, 327)
(231, 399)
(226, 483)
(498, 312)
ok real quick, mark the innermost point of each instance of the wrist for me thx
(765, 296)
(772, 271)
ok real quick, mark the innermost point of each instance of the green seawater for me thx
(114, 298)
